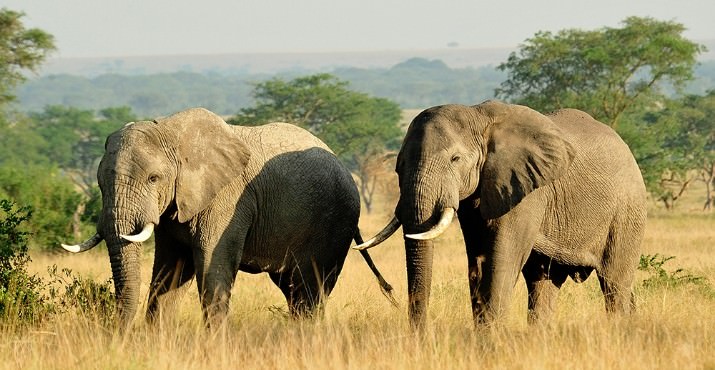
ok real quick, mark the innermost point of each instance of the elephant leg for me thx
(215, 275)
(304, 290)
(511, 239)
(618, 266)
(476, 235)
(543, 278)
(214, 285)
(173, 268)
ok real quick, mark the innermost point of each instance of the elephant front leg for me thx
(173, 268)
(476, 234)
(214, 281)
(543, 281)
(476, 271)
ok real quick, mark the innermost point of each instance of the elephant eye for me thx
(456, 158)
(153, 178)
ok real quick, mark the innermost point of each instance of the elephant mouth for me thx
(440, 227)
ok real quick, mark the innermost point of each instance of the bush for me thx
(20, 298)
(90, 298)
(661, 278)
(27, 299)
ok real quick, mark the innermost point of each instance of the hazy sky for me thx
(110, 28)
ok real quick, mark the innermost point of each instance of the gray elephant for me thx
(550, 196)
(220, 199)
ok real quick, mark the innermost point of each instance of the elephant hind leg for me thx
(543, 280)
(618, 267)
(305, 289)
(617, 294)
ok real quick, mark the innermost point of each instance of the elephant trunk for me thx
(419, 210)
(419, 255)
(125, 259)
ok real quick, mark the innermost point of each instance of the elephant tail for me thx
(385, 287)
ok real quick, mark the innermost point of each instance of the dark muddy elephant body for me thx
(547, 196)
(223, 199)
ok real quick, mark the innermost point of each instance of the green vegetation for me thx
(660, 278)
(604, 72)
(20, 297)
(675, 147)
(27, 299)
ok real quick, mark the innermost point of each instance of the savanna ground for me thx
(674, 326)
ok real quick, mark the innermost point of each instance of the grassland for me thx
(674, 326)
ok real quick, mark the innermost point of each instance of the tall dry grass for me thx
(673, 327)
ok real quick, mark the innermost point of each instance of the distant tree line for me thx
(415, 83)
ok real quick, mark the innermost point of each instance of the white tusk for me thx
(142, 236)
(85, 245)
(381, 236)
(438, 229)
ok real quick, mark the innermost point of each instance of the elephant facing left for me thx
(218, 199)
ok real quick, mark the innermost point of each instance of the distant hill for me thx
(268, 63)
(272, 63)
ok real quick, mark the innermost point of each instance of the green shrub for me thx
(21, 301)
(662, 278)
(74, 292)
(27, 299)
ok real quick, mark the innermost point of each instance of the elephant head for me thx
(169, 168)
(488, 156)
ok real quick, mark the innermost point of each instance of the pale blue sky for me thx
(110, 28)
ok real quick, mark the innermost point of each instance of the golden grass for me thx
(673, 327)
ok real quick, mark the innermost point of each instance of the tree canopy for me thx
(675, 146)
(356, 126)
(21, 50)
(350, 122)
(604, 72)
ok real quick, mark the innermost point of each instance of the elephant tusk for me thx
(142, 236)
(438, 229)
(85, 245)
(381, 236)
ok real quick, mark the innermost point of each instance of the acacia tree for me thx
(604, 72)
(675, 146)
(359, 128)
(21, 50)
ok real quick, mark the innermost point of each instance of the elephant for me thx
(551, 196)
(218, 199)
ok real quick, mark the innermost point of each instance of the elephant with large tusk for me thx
(548, 196)
(221, 199)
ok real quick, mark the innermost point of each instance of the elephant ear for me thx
(525, 150)
(210, 155)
